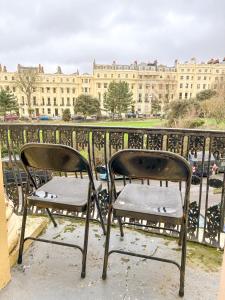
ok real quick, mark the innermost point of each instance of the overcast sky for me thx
(71, 33)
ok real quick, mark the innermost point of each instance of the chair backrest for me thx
(149, 164)
(53, 157)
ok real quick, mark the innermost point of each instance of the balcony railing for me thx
(207, 200)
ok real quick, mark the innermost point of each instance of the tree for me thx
(180, 109)
(87, 105)
(205, 95)
(8, 103)
(66, 115)
(155, 105)
(25, 81)
(118, 98)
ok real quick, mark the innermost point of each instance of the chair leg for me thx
(86, 232)
(183, 259)
(106, 255)
(51, 217)
(121, 226)
(20, 257)
(180, 240)
(100, 214)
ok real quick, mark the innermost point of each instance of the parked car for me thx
(131, 115)
(77, 118)
(44, 118)
(11, 117)
(18, 175)
(104, 173)
(221, 164)
(201, 167)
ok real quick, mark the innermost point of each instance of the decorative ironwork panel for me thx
(175, 143)
(49, 135)
(212, 229)
(82, 138)
(116, 140)
(13, 194)
(98, 138)
(193, 215)
(154, 141)
(17, 135)
(135, 140)
(3, 135)
(218, 147)
(196, 143)
(32, 135)
(66, 136)
(103, 198)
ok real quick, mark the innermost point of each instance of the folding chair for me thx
(158, 204)
(61, 193)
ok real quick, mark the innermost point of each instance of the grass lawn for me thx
(127, 123)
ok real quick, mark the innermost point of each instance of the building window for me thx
(111, 75)
(43, 101)
(198, 86)
(42, 90)
(54, 90)
(187, 77)
(34, 100)
(85, 89)
(205, 77)
(105, 85)
(186, 85)
(74, 101)
(68, 101)
(68, 90)
(73, 90)
(49, 111)
(98, 75)
(62, 90)
(48, 89)
(140, 87)
(62, 103)
(49, 102)
(55, 104)
(180, 95)
(139, 97)
(118, 75)
(186, 95)
(204, 86)
(181, 85)
(99, 85)
(14, 89)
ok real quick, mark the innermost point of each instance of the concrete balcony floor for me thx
(53, 272)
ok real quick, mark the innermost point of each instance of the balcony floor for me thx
(53, 272)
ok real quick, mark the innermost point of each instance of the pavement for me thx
(53, 272)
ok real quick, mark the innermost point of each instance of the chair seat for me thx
(67, 193)
(153, 203)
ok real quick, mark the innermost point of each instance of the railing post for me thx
(4, 250)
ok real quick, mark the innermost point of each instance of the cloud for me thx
(72, 33)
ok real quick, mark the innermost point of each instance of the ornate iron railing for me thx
(207, 201)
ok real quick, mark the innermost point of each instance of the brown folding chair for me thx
(159, 204)
(60, 193)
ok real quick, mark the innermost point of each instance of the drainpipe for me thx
(4, 251)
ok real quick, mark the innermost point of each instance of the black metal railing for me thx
(204, 149)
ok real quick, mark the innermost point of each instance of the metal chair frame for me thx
(82, 165)
(118, 166)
